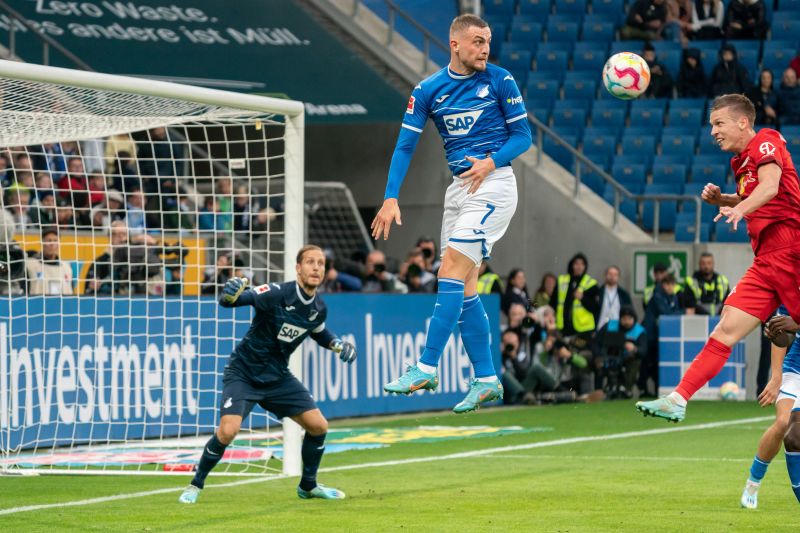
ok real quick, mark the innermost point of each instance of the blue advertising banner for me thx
(101, 369)
(680, 339)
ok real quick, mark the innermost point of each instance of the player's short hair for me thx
(462, 22)
(307, 248)
(739, 105)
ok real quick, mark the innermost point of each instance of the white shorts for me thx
(472, 223)
(790, 387)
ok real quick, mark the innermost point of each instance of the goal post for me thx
(96, 367)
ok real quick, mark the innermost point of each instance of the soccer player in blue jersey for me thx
(258, 370)
(783, 389)
(482, 120)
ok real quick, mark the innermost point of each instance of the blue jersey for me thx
(284, 317)
(472, 113)
(791, 363)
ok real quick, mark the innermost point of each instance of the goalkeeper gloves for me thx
(346, 351)
(233, 289)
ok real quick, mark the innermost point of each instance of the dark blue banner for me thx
(103, 369)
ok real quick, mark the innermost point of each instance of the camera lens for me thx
(379, 267)
(427, 253)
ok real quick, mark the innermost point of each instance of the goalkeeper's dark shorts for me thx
(284, 397)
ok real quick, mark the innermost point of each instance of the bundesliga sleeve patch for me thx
(261, 289)
(410, 106)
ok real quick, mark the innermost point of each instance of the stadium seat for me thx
(777, 59)
(541, 92)
(589, 60)
(681, 129)
(643, 131)
(785, 29)
(706, 143)
(645, 145)
(610, 8)
(579, 89)
(627, 207)
(559, 153)
(592, 141)
(571, 7)
(647, 117)
(557, 46)
(678, 145)
(667, 208)
(634, 46)
(562, 31)
(704, 173)
(551, 61)
(669, 173)
(581, 75)
(628, 173)
(608, 117)
(685, 231)
(749, 60)
(515, 60)
(525, 32)
(567, 130)
(724, 232)
(569, 116)
(600, 156)
(541, 113)
(719, 158)
(690, 103)
(671, 59)
(598, 31)
(649, 103)
(684, 116)
(576, 103)
(602, 131)
(593, 180)
(538, 9)
(499, 9)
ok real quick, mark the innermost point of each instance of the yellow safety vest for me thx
(582, 319)
(486, 282)
(718, 286)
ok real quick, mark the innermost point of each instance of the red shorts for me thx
(773, 279)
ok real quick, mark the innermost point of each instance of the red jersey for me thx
(775, 224)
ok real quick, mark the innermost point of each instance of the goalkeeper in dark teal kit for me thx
(258, 371)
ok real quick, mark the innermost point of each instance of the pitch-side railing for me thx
(620, 192)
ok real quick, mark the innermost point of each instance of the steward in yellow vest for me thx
(576, 299)
(708, 289)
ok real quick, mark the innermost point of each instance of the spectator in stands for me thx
(215, 278)
(74, 180)
(646, 19)
(707, 17)
(18, 204)
(125, 176)
(113, 208)
(115, 145)
(765, 99)
(794, 64)
(128, 266)
(728, 76)
(97, 189)
(93, 151)
(6, 175)
(135, 212)
(691, 76)
(262, 220)
(660, 85)
(544, 294)
(576, 300)
(746, 19)
(488, 281)
(612, 297)
(224, 198)
(663, 302)
(659, 271)
(335, 280)
(619, 347)
(242, 211)
(789, 98)
(46, 273)
(22, 163)
(44, 184)
(44, 212)
(377, 278)
(415, 274)
(160, 162)
(430, 253)
(516, 290)
(679, 21)
(50, 159)
(65, 214)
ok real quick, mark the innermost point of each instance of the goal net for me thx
(126, 205)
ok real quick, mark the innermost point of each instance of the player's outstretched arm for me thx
(234, 293)
(773, 388)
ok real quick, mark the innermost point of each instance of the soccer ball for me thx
(626, 75)
(729, 391)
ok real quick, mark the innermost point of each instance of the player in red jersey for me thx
(768, 198)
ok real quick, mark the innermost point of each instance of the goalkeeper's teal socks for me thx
(312, 450)
(445, 314)
(212, 454)
(474, 326)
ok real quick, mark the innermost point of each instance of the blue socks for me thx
(758, 469)
(793, 465)
(212, 454)
(474, 325)
(312, 450)
(445, 315)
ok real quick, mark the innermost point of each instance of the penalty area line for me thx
(397, 462)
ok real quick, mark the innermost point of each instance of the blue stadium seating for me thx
(707, 211)
(597, 31)
(559, 153)
(672, 159)
(647, 117)
(540, 112)
(643, 131)
(706, 143)
(682, 129)
(525, 32)
(538, 9)
(685, 231)
(600, 156)
(589, 60)
(571, 7)
(557, 46)
(578, 103)
(602, 131)
(685, 116)
(705, 173)
(500, 9)
(593, 180)
(569, 116)
(551, 61)
(749, 60)
(581, 75)
(678, 144)
(627, 207)
(671, 59)
(541, 92)
(667, 208)
(561, 31)
(634, 46)
(777, 59)
(784, 28)
(718, 158)
(628, 173)
(611, 8)
(638, 144)
(669, 173)
(709, 53)
(583, 89)
(515, 61)
(650, 103)
(607, 117)
(724, 232)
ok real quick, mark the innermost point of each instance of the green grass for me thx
(686, 480)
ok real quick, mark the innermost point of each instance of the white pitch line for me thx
(624, 458)
(461, 455)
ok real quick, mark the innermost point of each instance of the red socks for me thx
(705, 366)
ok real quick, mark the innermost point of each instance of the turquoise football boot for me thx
(190, 494)
(663, 408)
(479, 392)
(413, 380)
(321, 491)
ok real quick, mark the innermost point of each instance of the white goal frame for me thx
(294, 220)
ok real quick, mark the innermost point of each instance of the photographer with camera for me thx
(336, 280)
(430, 254)
(414, 274)
(377, 278)
(131, 265)
(619, 347)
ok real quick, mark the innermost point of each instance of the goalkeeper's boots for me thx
(321, 491)
(190, 494)
(413, 380)
(750, 495)
(664, 407)
(479, 392)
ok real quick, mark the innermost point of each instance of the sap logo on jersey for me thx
(290, 332)
(461, 123)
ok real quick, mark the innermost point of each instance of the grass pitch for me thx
(586, 468)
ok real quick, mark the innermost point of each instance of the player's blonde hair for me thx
(307, 248)
(739, 105)
(462, 22)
